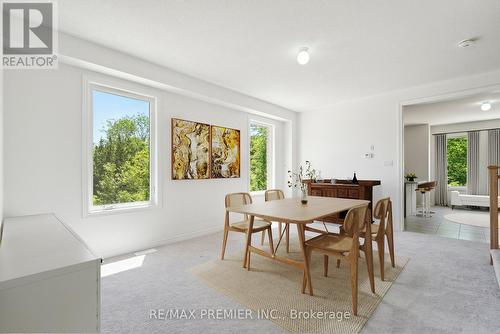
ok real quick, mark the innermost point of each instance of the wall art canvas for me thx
(190, 150)
(225, 152)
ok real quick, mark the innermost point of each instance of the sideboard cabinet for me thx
(343, 189)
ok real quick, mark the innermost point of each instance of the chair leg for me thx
(262, 237)
(224, 242)
(367, 247)
(280, 227)
(270, 235)
(338, 263)
(354, 284)
(287, 232)
(248, 259)
(390, 244)
(325, 265)
(381, 251)
(304, 282)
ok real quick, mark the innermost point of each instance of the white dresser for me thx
(49, 279)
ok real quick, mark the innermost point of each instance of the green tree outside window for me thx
(258, 157)
(457, 161)
(121, 162)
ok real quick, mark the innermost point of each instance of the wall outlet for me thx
(369, 155)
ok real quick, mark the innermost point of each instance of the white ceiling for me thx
(465, 109)
(358, 47)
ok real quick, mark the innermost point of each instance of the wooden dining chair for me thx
(384, 229)
(344, 247)
(236, 199)
(273, 195)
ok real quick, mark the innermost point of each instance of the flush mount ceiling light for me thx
(303, 56)
(466, 43)
(485, 106)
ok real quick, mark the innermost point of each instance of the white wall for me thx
(466, 126)
(1, 146)
(417, 152)
(335, 138)
(43, 160)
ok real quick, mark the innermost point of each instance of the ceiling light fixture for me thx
(485, 106)
(303, 55)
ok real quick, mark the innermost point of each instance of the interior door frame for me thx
(427, 99)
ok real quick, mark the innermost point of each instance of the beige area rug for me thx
(481, 219)
(274, 287)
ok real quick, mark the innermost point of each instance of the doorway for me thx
(447, 148)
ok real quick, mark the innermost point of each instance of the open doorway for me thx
(448, 144)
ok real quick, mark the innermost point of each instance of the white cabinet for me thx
(49, 279)
(410, 198)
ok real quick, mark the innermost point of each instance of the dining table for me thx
(293, 211)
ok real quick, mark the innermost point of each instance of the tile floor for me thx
(439, 225)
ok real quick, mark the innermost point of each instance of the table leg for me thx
(249, 240)
(302, 241)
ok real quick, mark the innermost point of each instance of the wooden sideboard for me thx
(343, 189)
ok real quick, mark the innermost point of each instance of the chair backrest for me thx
(273, 195)
(236, 199)
(383, 212)
(355, 220)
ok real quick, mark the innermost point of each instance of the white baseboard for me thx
(158, 243)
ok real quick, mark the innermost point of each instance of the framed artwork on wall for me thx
(190, 150)
(225, 152)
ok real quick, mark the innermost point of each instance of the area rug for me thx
(481, 219)
(271, 290)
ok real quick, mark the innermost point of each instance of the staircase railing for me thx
(493, 177)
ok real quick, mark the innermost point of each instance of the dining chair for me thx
(344, 247)
(273, 195)
(384, 229)
(236, 199)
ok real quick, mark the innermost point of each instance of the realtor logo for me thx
(28, 35)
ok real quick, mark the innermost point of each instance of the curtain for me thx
(441, 196)
(473, 163)
(493, 148)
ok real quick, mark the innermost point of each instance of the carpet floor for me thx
(448, 286)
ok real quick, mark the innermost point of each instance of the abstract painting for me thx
(225, 152)
(190, 150)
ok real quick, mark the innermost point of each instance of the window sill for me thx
(257, 193)
(120, 209)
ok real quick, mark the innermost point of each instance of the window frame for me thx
(270, 153)
(130, 91)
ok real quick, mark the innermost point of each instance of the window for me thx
(457, 160)
(120, 154)
(261, 156)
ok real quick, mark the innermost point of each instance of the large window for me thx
(457, 160)
(261, 156)
(120, 154)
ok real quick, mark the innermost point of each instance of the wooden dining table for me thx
(292, 211)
